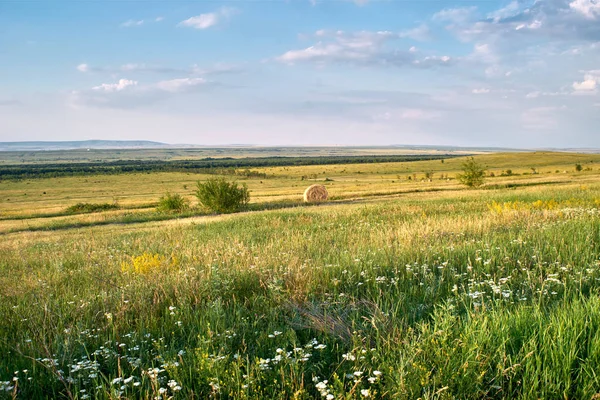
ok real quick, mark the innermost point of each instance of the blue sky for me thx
(301, 72)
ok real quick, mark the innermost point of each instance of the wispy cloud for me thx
(127, 93)
(205, 21)
(455, 15)
(158, 69)
(421, 33)
(132, 23)
(360, 48)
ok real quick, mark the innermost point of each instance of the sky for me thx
(302, 72)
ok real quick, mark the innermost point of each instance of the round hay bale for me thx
(315, 194)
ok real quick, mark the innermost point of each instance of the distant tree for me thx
(578, 167)
(221, 196)
(429, 175)
(473, 174)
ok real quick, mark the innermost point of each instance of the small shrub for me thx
(84, 208)
(578, 167)
(172, 203)
(473, 173)
(221, 196)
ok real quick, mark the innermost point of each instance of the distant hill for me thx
(81, 144)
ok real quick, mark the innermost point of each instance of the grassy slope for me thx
(430, 295)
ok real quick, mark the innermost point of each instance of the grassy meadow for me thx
(396, 288)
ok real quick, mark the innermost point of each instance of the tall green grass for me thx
(419, 298)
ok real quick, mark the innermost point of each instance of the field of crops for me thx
(396, 288)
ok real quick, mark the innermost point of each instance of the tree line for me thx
(206, 165)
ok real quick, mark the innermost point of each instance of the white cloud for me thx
(590, 9)
(590, 83)
(421, 33)
(483, 52)
(558, 19)
(159, 19)
(406, 114)
(180, 85)
(455, 15)
(115, 87)
(205, 21)
(128, 94)
(505, 12)
(132, 23)
(201, 21)
(533, 25)
(480, 91)
(157, 69)
(359, 48)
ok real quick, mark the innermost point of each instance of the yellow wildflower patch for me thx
(148, 262)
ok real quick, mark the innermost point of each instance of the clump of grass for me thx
(84, 208)
(172, 203)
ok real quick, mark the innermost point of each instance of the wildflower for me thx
(365, 392)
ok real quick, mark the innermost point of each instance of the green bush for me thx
(578, 167)
(221, 196)
(84, 208)
(473, 173)
(172, 203)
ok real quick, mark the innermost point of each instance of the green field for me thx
(395, 288)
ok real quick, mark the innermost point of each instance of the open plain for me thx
(404, 285)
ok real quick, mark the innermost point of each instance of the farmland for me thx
(404, 285)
